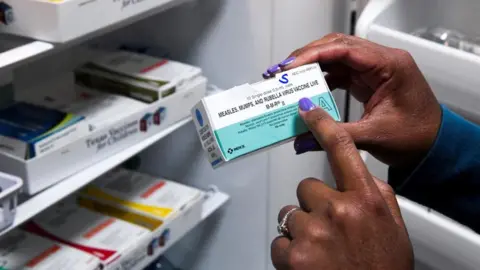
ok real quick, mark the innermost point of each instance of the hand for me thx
(357, 227)
(401, 114)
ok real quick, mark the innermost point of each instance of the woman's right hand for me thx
(401, 114)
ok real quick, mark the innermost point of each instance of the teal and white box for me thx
(251, 117)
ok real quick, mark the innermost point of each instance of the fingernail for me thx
(287, 61)
(266, 75)
(306, 104)
(273, 69)
(305, 145)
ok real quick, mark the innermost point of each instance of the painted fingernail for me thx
(273, 69)
(287, 61)
(306, 104)
(305, 145)
(266, 75)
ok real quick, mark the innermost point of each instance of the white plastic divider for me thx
(36, 204)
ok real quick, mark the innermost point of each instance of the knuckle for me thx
(339, 139)
(316, 232)
(334, 36)
(297, 258)
(345, 213)
(376, 206)
(305, 185)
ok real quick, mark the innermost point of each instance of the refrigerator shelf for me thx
(452, 73)
(15, 51)
(30, 207)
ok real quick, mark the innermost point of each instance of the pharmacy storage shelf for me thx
(36, 204)
(65, 21)
(16, 51)
(213, 202)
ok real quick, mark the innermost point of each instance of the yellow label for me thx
(97, 193)
(149, 223)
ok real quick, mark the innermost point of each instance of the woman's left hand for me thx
(357, 226)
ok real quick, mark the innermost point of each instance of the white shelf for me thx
(47, 198)
(17, 51)
(211, 204)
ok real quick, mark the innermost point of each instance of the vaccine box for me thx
(142, 194)
(117, 243)
(99, 108)
(28, 130)
(22, 250)
(251, 117)
(135, 75)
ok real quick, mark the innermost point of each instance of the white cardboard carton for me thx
(22, 250)
(40, 173)
(65, 20)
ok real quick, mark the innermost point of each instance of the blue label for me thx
(199, 117)
(268, 129)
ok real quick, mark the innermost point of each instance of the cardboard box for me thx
(137, 76)
(28, 131)
(22, 250)
(117, 243)
(252, 117)
(40, 173)
(98, 108)
(65, 20)
(169, 209)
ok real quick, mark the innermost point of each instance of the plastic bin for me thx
(10, 187)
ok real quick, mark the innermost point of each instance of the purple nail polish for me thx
(266, 75)
(306, 104)
(305, 145)
(273, 69)
(287, 61)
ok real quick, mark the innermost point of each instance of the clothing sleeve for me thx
(448, 178)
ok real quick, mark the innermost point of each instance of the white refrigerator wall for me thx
(234, 41)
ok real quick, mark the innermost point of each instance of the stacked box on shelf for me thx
(176, 207)
(22, 250)
(65, 20)
(118, 244)
(136, 125)
(135, 75)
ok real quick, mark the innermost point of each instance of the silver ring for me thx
(282, 227)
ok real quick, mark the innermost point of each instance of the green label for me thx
(269, 128)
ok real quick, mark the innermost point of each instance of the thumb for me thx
(359, 131)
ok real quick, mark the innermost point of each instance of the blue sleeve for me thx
(448, 178)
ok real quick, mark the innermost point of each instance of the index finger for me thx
(347, 166)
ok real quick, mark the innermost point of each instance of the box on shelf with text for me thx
(97, 107)
(23, 250)
(135, 75)
(41, 172)
(65, 20)
(28, 130)
(169, 208)
(117, 243)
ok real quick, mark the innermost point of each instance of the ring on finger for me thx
(282, 226)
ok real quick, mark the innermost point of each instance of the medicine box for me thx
(65, 20)
(169, 209)
(135, 75)
(97, 107)
(117, 243)
(251, 117)
(22, 250)
(28, 130)
(41, 172)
